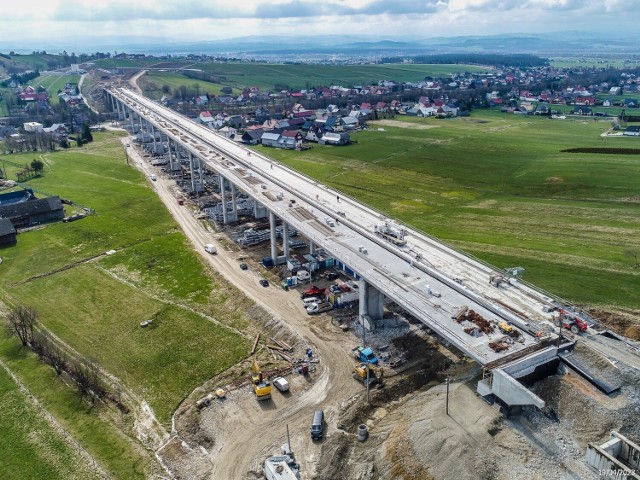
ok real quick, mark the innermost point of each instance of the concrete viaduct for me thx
(409, 275)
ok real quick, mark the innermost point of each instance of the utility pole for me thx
(289, 442)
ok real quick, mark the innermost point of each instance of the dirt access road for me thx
(251, 431)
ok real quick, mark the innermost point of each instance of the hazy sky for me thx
(35, 23)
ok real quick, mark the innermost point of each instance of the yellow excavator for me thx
(376, 374)
(261, 386)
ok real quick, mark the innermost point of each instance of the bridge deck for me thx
(393, 270)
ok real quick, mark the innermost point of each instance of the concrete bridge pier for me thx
(174, 161)
(285, 239)
(312, 247)
(193, 178)
(232, 216)
(223, 198)
(153, 135)
(371, 304)
(200, 184)
(259, 210)
(272, 229)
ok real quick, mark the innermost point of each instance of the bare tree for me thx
(22, 321)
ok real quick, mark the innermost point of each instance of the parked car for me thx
(243, 266)
(316, 308)
(331, 275)
(281, 384)
(264, 282)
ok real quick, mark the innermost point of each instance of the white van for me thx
(210, 248)
(153, 177)
(310, 300)
(303, 275)
(316, 308)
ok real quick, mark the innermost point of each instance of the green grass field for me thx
(97, 307)
(153, 81)
(38, 450)
(305, 76)
(54, 83)
(92, 427)
(498, 186)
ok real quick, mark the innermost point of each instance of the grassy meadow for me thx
(153, 81)
(54, 83)
(240, 75)
(96, 306)
(38, 450)
(498, 186)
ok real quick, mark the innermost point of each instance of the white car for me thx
(281, 384)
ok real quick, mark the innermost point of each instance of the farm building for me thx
(7, 233)
(17, 197)
(33, 212)
(330, 138)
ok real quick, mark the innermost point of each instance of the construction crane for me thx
(261, 386)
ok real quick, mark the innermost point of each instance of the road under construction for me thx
(460, 298)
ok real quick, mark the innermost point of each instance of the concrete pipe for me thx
(362, 433)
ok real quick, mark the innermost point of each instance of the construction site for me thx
(424, 365)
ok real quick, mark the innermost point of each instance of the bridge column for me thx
(223, 197)
(259, 210)
(312, 246)
(174, 165)
(371, 304)
(285, 239)
(272, 230)
(131, 119)
(120, 110)
(200, 186)
(153, 135)
(193, 178)
(233, 215)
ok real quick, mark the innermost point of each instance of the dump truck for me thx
(376, 374)
(365, 354)
(261, 386)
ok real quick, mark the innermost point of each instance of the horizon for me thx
(71, 26)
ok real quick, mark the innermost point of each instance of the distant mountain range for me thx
(358, 46)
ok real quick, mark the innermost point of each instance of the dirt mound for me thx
(625, 323)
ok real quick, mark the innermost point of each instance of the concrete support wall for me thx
(619, 455)
(272, 228)
(512, 392)
(371, 301)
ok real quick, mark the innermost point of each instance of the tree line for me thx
(22, 322)
(489, 59)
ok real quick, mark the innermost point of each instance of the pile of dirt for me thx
(186, 462)
(623, 322)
